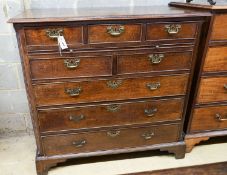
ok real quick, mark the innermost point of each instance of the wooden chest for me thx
(208, 115)
(122, 85)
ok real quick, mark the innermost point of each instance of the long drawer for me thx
(110, 115)
(107, 90)
(209, 118)
(212, 89)
(109, 139)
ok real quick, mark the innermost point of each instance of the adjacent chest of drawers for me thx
(208, 115)
(121, 86)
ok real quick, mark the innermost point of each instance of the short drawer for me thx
(114, 33)
(108, 90)
(216, 60)
(162, 31)
(212, 89)
(71, 67)
(41, 37)
(209, 118)
(153, 62)
(219, 27)
(110, 115)
(110, 139)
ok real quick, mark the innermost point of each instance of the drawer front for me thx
(212, 118)
(114, 33)
(212, 89)
(152, 62)
(219, 28)
(160, 31)
(71, 67)
(110, 139)
(48, 36)
(107, 90)
(110, 114)
(216, 59)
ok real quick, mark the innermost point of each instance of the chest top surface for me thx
(90, 14)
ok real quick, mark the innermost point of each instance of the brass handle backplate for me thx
(72, 63)
(76, 118)
(173, 29)
(79, 143)
(153, 86)
(219, 117)
(113, 133)
(113, 108)
(225, 86)
(148, 135)
(155, 58)
(73, 92)
(150, 112)
(54, 33)
(115, 30)
(114, 84)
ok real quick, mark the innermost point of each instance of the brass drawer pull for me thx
(113, 108)
(72, 63)
(173, 29)
(54, 33)
(79, 143)
(148, 135)
(155, 58)
(219, 117)
(113, 133)
(76, 118)
(150, 112)
(153, 86)
(114, 84)
(115, 31)
(225, 86)
(73, 92)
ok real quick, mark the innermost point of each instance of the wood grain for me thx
(131, 137)
(159, 32)
(212, 90)
(216, 59)
(99, 34)
(132, 88)
(192, 142)
(219, 26)
(140, 62)
(103, 14)
(207, 116)
(38, 36)
(53, 67)
(100, 116)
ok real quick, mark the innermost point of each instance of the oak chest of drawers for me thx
(122, 85)
(208, 114)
